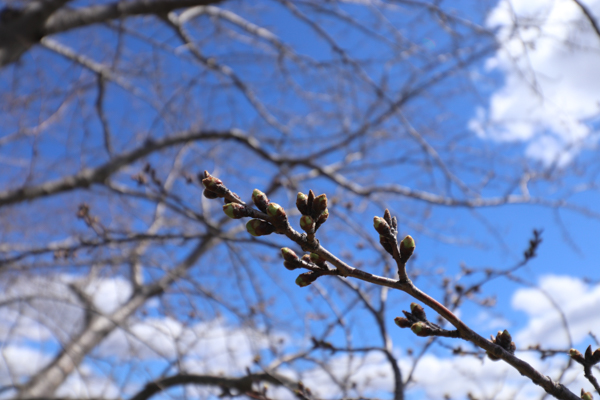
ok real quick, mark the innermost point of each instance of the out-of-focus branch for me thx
(588, 14)
(242, 385)
(90, 176)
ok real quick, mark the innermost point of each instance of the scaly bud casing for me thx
(381, 226)
(256, 227)
(402, 322)
(306, 278)
(234, 210)
(322, 218)
(289, 254)
(276, 211)
(407, 248)
(260, 200)
(418, 311)
(302, 203)
(586, 395)
(419, 328)
(211, 183)
(307, 223)
(210, 195)
(319, 204)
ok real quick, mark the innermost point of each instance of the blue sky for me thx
(491, 116)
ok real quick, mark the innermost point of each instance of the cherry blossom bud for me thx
(418, 311)
(260, 200)
(307, 223)
(402, 322)
(319, 204)
(288, 254)
(381, 226)
(276, 211)
(235, 210)
(302, 203)
(256, 227)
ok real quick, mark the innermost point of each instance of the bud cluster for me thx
(417, 321)
(589, 359)
(387, 227)
(313, 209)
(213, 187)
(504, 340)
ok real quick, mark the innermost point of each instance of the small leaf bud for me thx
(309, 201)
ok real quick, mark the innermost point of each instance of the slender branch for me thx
(242, 385)
(98, 175)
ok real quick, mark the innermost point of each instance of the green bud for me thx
(276, 211)
(288, 254)
(234, 210)
(256, 227)
(407, 248)
(307, 223)
(408, 242)
(322, 218)
(381, 226)
(260, 200)
(574, 353)
(306, 278)
(314, 257)
(418, 311)
(302, 203)
(319, 204)
(212, 183)
(586, 395)
(419, 328)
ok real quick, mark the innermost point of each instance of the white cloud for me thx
(578, 302)
(18, 362)
(551, 92)
(205, 347)
(84, 383)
